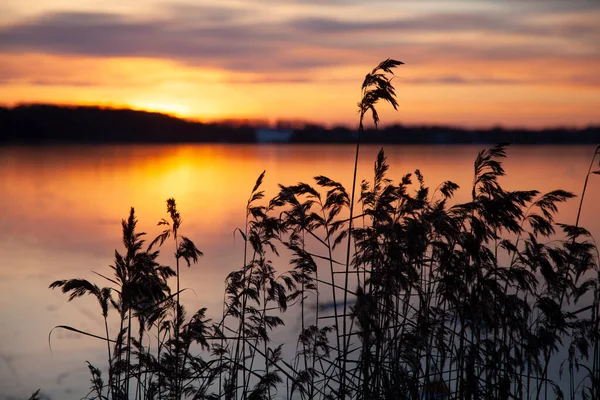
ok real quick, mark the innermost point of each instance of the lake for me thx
(61, 218)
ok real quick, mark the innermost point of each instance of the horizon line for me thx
(294, 123)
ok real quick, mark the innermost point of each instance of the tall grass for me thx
(400, 293)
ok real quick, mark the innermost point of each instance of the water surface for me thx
(62, 207)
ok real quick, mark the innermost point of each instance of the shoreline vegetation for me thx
(47, 124)
(416, 297)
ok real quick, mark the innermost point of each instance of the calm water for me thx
(62, 206)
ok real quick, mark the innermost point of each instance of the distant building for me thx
(269, 135)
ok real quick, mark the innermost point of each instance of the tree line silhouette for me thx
(42, 123)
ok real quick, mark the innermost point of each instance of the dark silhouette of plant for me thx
(184, 249)
(376, 86)
(139, 283)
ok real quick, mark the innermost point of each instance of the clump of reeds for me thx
(427, 298)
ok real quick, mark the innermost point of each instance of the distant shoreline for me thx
(50, 124)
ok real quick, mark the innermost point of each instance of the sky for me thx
(470, 63)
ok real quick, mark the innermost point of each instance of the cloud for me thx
(461, 80)
(262, 79)
(239, 46)
(63, 82)
(583, 80)
(427, 23)
(40, 71)
(588, 80)
(484, 24)
(242, 39)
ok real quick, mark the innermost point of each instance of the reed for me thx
(416, 296)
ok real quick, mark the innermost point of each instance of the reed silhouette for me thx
(400, 294)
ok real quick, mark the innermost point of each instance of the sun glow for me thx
(175, 109)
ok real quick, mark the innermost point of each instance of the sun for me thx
(165, 107)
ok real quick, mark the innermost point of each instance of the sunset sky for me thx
(472, 63)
